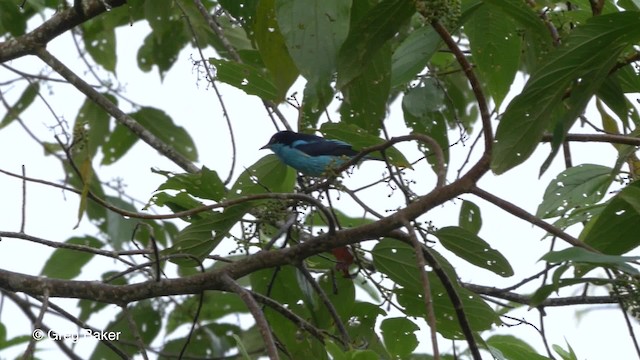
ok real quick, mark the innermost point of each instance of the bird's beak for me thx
(268, 146)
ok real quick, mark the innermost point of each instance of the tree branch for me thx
(124, 119)
(258, 315)
(61, 22)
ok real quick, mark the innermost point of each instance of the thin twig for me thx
(24, 200)
(28, 354)
(476, 86)
(210, 78)
(25, 306)
(522, 214)
(135, 332)
(258, 315)
(426, 288)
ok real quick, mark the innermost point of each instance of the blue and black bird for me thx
(310, 154)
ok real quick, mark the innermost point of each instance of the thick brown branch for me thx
(60, 23)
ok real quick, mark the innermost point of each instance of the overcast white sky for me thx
(51, 214)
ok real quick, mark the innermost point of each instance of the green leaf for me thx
(67, 264)
(247, 78)
(580, 255)
(564, 354)
(495, 49)
(585, 58)
(513, 348)
(399, 336)
(162, 46)
(28, 95)
(397, 261)
(369, 35)
(218, 304)
(163, 127)
(205, 184)
(479, 314)
(470, 218)
(365, 98)
(536, 38)
(117, 144)
(363, 329)
(267, 175)
(413, 54)
(313, 31)
(99, 38)
(273, 49)
(423, 108)
(120, 229)
(615, 230)
(578, 186)
(147, 320)
(361, 139)
(6, 343)
(11, 19)
(241, 347)
(96, 120)
(341, 292)
(472, 248)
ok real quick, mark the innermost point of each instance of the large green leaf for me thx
(369, 35)
(513, 348)
(67, 264)
(119, 142)
(399, 336)
(205, 184)
(218, 304)
(478, 313)
(584, 60)
(579, 186)
(162, 126)
(96, 120)
(313, 31)
(615, 230)
(147, 320)
(495, 49)
(99, 38)
(413, 54)
(12, 20)
(251, 80)
(365, 98)
(273, 49)
(537, 40)
(162, 46)
(470, 218)
(472, 248)
(424, 112)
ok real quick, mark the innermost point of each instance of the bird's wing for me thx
(324, 147)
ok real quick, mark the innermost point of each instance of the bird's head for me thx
(285, 137)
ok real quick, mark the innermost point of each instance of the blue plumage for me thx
(310, 154)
